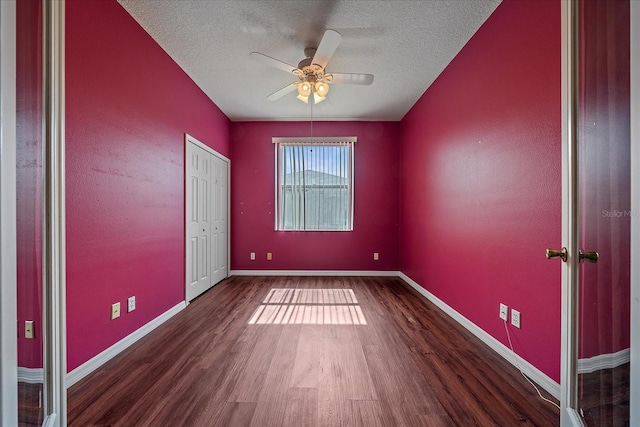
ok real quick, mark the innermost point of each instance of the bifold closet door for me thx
(219, 222)
(198, 212)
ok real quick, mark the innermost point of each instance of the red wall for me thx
(128, 107)
(375, 201)
(480, 187)
(29, 178)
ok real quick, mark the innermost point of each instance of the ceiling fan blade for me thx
(328, 45)
(273, 62)
(282, 92)
(352, 79)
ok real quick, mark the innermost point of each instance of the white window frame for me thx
(279, 142)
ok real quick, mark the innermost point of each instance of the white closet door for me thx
(198, 212)
(219, 221)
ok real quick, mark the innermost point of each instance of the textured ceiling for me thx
(405, 44)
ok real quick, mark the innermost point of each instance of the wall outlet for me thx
(131, 304)
(376, 256)
(28, 329)
(115, 311)
(515, 318)
(504, 311)
(252, 256)
(269, 256)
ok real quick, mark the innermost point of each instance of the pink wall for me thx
(480, 187)
(375, 201)
(128, 107)
(29, 178)
(606, 177)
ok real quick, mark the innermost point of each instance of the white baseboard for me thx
(100, 359)
(369, 273)
(30, 375)
(529, 370)
(603, 361)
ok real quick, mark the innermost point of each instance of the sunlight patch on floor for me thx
(286, 306)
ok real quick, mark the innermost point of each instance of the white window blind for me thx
(314, 184)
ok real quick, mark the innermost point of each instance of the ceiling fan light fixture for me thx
(318, 98)
(312, 77)
(304, 89)
(321, 88)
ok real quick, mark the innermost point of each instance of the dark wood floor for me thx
(30, 411)
(604, 397)
(310, 361)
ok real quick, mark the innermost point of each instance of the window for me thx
(314, 184)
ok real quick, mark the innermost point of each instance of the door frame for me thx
(568, 362)
(54, 216)
(568, 327)
(635, 218)
(8, 291)
(53, 328)
(187, 140)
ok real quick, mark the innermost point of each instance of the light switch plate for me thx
(504, 312)
(115, 311)
(28, 329)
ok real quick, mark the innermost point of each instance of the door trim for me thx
(635, 218)
(568, 352)
(8, 291)
(187, 140)
(54, 218)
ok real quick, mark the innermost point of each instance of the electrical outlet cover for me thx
(515, 318)
(131, 304)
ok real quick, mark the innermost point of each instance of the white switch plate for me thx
(504, 311)
(115, 311)
(269, 256)
(376, 256)
(515, 318)
(252, 256)
(28, 329)
(131, 304)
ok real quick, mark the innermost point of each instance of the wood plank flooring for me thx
(604, 396)
(306, 361)
(30, 411)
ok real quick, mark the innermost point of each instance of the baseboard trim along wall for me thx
(100, 359)
(604, 361)
(349, 273)
(529, 370)
(30, 375)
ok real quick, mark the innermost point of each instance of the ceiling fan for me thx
(313, 79)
